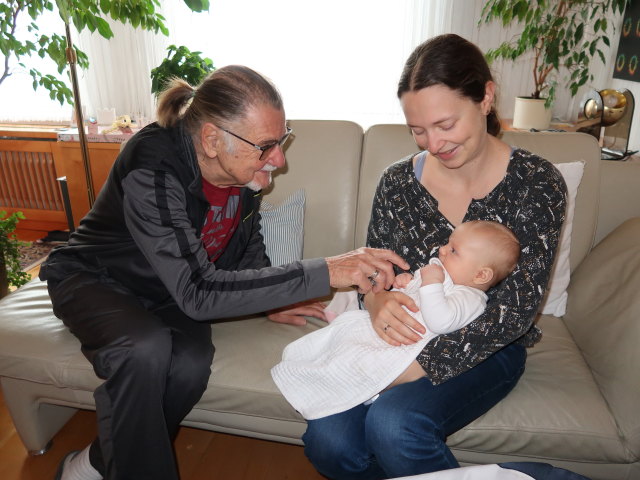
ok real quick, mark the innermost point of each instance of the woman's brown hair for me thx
(452, 61)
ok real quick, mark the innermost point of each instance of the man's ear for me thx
(209, 139)
(483, 276)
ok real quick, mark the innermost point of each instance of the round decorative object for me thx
(593, 105)
(614, 106)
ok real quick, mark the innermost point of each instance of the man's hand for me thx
(369, 269)
(294, 314)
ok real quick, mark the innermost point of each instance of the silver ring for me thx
(372, 278)
(385, 328)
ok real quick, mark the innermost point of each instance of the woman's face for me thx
(451, 127)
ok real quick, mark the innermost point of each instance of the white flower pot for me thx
(531, 113)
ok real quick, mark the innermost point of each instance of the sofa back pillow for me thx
(555, 299)
(282, 227)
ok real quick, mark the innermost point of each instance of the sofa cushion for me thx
(36, 346)
(541, 417)
(382, 146)
(282, 228)
(603, 316)
(251, 398)
(324, 160)
(555, 299)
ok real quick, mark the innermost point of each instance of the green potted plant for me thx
(11, 273)
(562, 36)
(182, 63)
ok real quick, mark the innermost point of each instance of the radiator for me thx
(28, 180)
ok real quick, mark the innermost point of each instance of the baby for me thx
(347, 363)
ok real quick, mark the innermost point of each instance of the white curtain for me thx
(119, 73)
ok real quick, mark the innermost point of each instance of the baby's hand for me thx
(402, 280)
(431, 274)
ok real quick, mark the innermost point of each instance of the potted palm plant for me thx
(11, 273)
(562, 37)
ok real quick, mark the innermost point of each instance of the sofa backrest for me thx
(323, 158)
(385, 144)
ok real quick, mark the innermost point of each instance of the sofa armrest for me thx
(619, 198)
(603, 316)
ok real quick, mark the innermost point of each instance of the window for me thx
(335, 60)
(19, 102)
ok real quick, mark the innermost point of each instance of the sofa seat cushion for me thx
(36, 346)
(240, 381)
(541, 417)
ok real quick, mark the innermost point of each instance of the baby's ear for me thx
(483, 276)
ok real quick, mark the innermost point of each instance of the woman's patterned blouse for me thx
(530, 200)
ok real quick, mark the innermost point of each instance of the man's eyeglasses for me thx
(264, 149)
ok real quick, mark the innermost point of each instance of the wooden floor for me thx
(202, 455)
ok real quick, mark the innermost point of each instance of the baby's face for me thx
(462, 256)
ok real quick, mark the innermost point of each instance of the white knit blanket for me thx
(343, 364)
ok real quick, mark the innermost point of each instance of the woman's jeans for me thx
(404, 431)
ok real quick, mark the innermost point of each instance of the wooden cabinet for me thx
(68, 161)
(31, 161)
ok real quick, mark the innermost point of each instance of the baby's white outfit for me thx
(346, 363)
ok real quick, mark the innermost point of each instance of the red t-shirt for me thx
(222, 218)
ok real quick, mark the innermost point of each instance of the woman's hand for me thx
(294, 314)
(392, 322)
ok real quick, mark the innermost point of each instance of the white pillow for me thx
(282, 227)
(555, 300)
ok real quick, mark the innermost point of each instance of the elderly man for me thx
(172, 243)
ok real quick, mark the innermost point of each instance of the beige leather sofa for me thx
(575, 407)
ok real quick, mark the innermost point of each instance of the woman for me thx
(465, 173)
